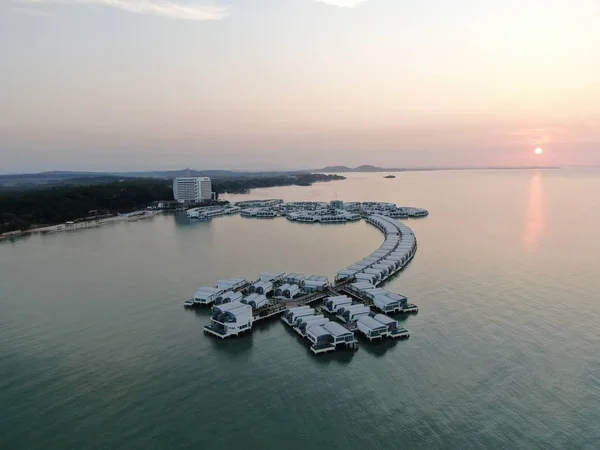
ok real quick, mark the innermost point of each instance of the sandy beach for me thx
(129, 217)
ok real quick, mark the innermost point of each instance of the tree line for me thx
(24, 209)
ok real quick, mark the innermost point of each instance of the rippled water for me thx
(96, 350)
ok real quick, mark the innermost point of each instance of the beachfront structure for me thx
(336, 204)
(192, 189)
(287, 291)
(231, 283)
(294, 278)
(195, 213)
(230, 319)
(322, 216)
(378, 206)
(360, 286)
(344, 274)
(387, 268)
(291, 314)
(303, 323)
(315, 283)
(258, 203)
(208, 212)
(271, 276)
(370, 294)
(333, 304)
(368, 260)
(393, 329)
(207, 295)
(377, 272)
(360, 280)
(352, 206)
(291, 291)
(389, 302)
(311, 206)
(360, 276)
(228, 296)
(308, 319)
(320, 338)
(359, 266)
(390, 210)
(267, 213)
(371, 328)
(349, 314)
(327, 337)
(261, 287)
(279, 291)
(398, 248)
(255, 301)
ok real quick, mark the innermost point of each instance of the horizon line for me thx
(380, 168)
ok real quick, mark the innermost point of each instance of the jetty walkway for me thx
(355, 291)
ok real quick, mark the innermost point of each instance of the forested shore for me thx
(25, 209)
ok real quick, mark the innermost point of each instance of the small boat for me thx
(390, 176)
(188, 303)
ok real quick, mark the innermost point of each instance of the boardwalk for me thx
(269, 311)
(397, 251)
(279, 306)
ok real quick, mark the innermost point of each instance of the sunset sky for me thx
(159, 84)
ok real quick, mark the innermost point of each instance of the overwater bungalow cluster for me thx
(335, 211)
(353, 303)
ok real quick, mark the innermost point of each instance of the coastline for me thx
(62, 227)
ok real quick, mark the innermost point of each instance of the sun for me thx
(538, 151)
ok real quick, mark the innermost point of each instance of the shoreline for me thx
(62, 227)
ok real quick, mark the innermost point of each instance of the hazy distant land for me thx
(80, 178)
(368, 168)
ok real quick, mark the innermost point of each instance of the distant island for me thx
(390, 176)
(364, 168)
(369, 168)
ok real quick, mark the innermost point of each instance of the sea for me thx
(97, 351)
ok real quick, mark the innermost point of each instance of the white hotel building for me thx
(192, 189)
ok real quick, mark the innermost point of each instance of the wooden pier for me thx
(269, 311)
(317, 350)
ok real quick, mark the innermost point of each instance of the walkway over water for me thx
(359, 281)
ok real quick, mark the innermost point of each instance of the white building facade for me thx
(192, 189)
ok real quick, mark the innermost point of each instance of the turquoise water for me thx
(96, 350)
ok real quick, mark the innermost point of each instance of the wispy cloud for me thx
(171, 9)
(343, 3)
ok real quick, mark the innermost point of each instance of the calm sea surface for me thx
(97, 352)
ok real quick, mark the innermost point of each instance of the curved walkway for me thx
(393, 255)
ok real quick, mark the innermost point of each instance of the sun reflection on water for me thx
(536, 214)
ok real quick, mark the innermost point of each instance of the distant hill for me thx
(53, 175)
(58, 178)
(368, 168)
(193, 173)
(363, 168)
(54, 178)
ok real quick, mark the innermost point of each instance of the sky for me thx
(282, 84)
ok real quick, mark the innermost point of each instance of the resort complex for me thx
(335, 211)
(326, 313)
(192, 189)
